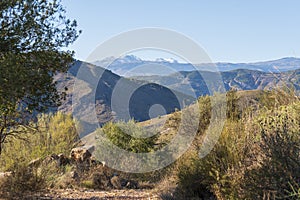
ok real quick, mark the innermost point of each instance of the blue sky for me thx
(231, 30)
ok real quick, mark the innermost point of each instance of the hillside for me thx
(240, 79)
(147, 97)
(147, 91)
(116, 98)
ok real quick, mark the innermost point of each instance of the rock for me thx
(101, 181)
(129, 184)
(74, 175)
(90, 148)
(62, 160)
(95, 162)
(80, 154)
(35, 163)
(81, 157)
(5, 174)
(54, 157)
(132, 184)
(50, 159)
(116, 182)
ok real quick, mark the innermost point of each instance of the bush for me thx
(219, 173)
(256, 156)
(129, 136)
(278, 168)
(54, 134)
(57, 133)
(294, 191)
(24, 179)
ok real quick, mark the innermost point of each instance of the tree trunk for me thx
(0, 143)
(1, 139)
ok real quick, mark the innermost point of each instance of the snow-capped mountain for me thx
(164, 60)
(131, 65)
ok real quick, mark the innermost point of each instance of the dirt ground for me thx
(69, 194)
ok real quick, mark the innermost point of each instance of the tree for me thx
(33, 34)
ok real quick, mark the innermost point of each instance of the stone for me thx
(116, 182)
(62, 160)
(101, 181)
(35, 163)
(80, 154)
(5, 174)
(74, 175)
(132, 184)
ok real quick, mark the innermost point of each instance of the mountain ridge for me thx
(129, 65)
(109, 100)
(147, 91)
(239, 79)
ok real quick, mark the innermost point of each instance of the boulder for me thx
(5, 174)
(116, 182)
(101, 181)
(80, 154)
(62, 160)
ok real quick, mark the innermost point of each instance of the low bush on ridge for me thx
(256, 157)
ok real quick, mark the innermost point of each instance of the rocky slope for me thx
(240, 79)
(115, 97)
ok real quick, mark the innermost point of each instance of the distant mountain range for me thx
(135, 97)
(240, 79)
(131, 65)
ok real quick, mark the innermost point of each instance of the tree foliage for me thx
(33, 34)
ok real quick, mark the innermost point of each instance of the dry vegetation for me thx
(256, 157)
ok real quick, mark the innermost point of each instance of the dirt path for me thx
(95, 195)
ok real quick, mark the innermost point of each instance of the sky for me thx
(228, 31)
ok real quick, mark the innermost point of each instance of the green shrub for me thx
(59, 133)
(219, 173)
(54, 134)
(294, 191)
(251, 159)
(24, 179)
(277, 97)
(129, 136)
(279, 163)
